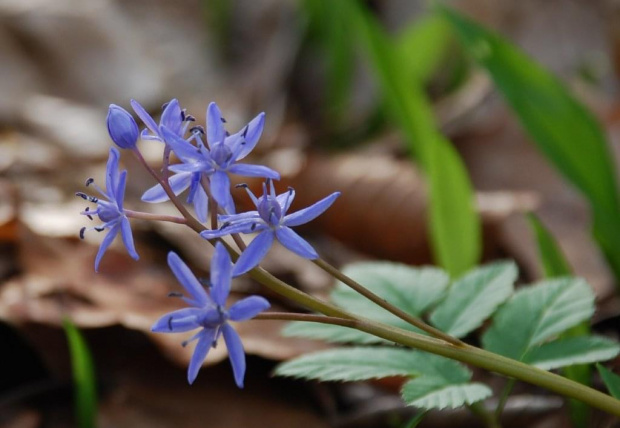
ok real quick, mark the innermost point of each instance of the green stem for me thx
(504, 397)
(416, 322)
(470, 355)
(489, 419)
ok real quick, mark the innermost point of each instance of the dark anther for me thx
(184, 343)
(86, 197)
(82, 230)
(190, 118)
(205, 282)
(89, 181)
(245, 186)
(253, 227)
(223, 120)
(197, 129)
(229, 157)
(290, 190)
(175, 294)
(245, 131)
(99, 228)
(170, 323)
(163, 107)
(88, 215)
(214, 344)
(183, 115)
(225, 225)
(227, 134)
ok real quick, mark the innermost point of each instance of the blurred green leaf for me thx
(474, 297)
(612, 381)
(85, 393)
(454, 222)
(537, 313)
(564, 130)
(573, 350)
(422, 45)
(433, 393)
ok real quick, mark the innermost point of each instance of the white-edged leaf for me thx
(329, 333)
(414, 290)
(537, 313)
(350, 364)
(432, 393)
(474, 297)
(572, 350)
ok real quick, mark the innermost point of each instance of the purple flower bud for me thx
(122, 127)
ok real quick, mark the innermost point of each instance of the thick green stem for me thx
(416, 322)
(470, 355)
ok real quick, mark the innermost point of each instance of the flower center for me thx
(221, 154)
(215, 316)
(269, 210)
(107, 211)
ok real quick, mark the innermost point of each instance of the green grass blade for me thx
(85, 392)
(612, 381)
(454, 222)
(564, 130)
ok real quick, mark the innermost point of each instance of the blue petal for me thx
(220, 188)
(296, 243)
(234, 218)
(178, 321)
(128, 238)
(201, 203)
(172, 117)
(221, 270)
(212, 234)
(189, 167)
(178, 183)
(188, 280)
(248, 170)
(105, 244)
(235, 353)
(248, 308)
(201, 350)
(122, 127)
(119, 194)
(215, 126)
(255, 252)
(253, 134)
(145, 117)
(286, 199)
(112, 174)
(184, 150)
(311, 212)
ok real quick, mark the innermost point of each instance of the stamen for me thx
(225, 225)
(89, 181)
(99, 228)
(223, 120)
(184, 343)
(88, 215)
(244, 185)
(175, 294)
(86, 197)
(170, 323)
(190, 118)
(205, 282)
(245, 132)
(163, 107)
(227, 133)
(82, 230)
(253, 227)
(197, 130)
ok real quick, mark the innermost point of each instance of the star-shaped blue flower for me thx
(272, 222)
(110, 211)
(215, 160)
(208, 312)
(172, 117)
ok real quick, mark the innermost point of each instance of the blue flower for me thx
(172, 117)
(272, 222)
(110, 211)
(214, 161)
(208, 312)
(122, 127)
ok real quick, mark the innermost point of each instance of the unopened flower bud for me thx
(122, 127)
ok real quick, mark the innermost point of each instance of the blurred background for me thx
(333, 123)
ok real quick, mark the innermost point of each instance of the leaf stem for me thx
(504, 397)
(489, 419)
(416, 322)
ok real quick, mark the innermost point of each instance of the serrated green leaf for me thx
(612, 381)
(537, 313)
(330, 333)
(432, 393)
(413, 290)
(352, 364)
(474, 297)
(564, 130)
(85, 394)
(573, 350)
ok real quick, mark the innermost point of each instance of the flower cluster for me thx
(207, 157)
